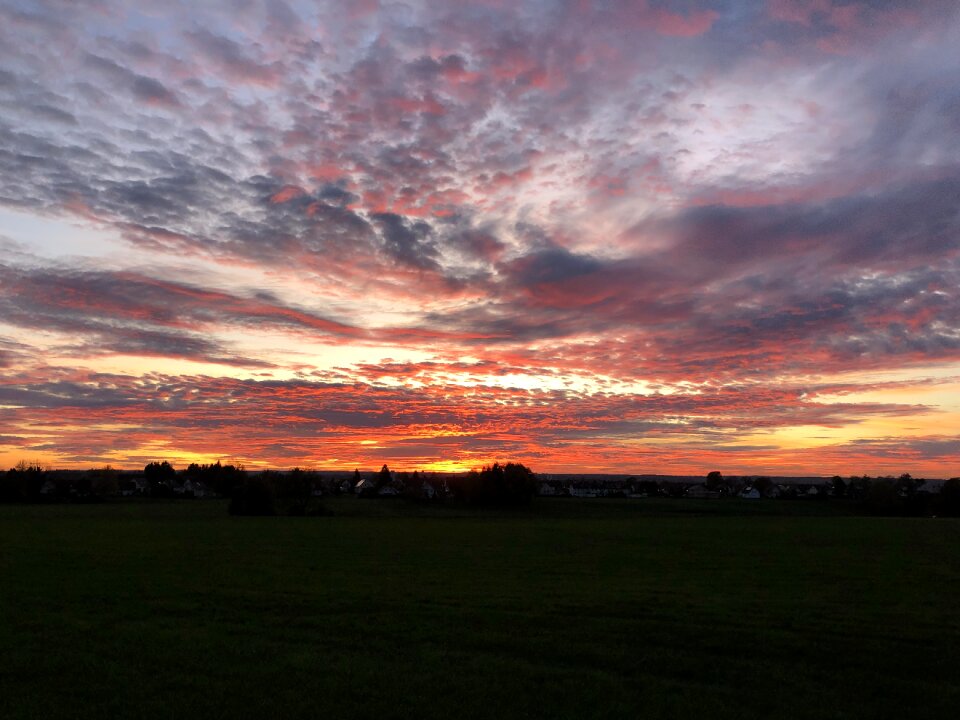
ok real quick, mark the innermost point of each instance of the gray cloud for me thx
(408, 242)
(146, 89)
(232, 59)
(125, 313)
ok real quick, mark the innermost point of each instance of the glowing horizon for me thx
(656, 236)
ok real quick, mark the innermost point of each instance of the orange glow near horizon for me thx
(445, 425)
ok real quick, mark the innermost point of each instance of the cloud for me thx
(585, 198)
(900, 224)
(146, 89)
(12, 352)
(550, 265)
(672, 24)
(408, 243)
(230, 59)
(125, 313)
(313, 420)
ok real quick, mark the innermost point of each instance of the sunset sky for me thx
(663, 236)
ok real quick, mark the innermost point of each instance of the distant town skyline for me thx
(657, 236)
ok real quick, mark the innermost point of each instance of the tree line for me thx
(270, 493)
(267, 492)
(512, 484)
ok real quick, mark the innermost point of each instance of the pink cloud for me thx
(843, 27)
(639, 15)
(427, 105)
(288, 192)
(673, 24)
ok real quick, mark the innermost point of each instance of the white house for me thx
(199, 489)
(364, 485)
(582, 491)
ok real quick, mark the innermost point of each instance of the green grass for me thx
(579, 609)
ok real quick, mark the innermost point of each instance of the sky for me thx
(658, 236)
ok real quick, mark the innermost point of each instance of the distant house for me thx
(197, 488)
(701, 492)
(48, 488)
(550, 489)
(427, 491)
(365, 486)
(584, 490)
(750, 493)
(134, 486)
(388, 491)
(930, 487)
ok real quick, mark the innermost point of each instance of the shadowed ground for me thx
(578, 609)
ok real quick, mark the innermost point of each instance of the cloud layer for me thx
(658, 232)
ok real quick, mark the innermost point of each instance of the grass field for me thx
(579, 609)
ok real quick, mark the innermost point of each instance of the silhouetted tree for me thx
(104, 481)
(507, 485)
(857, 487)
(160, 477)
(159, 472)
(412, 485)
(907, 485)
(384, 477)
(714, 480)
(221, 478)
(293, 491)
(762, 484)
(838, 488)
(23, 482)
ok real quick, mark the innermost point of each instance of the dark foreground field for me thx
(580, 609)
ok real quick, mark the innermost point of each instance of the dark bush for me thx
(293, 491)
(276, 493)
(881, 498)
(253, 497)
(948, 502)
